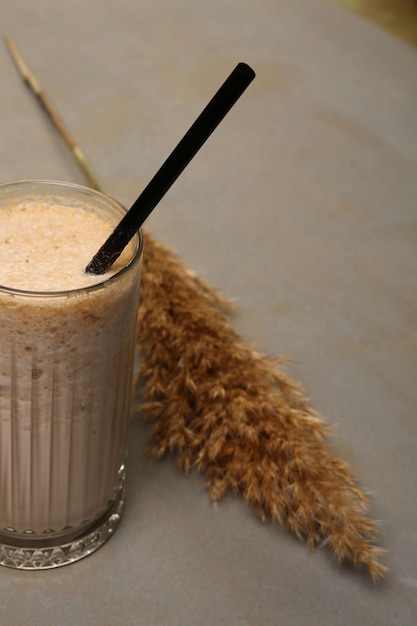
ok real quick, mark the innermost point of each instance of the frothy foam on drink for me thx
(46, 247)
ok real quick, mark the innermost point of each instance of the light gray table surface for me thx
(302, 206)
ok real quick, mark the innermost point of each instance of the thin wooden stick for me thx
(35, 86)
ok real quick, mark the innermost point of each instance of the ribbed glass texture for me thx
(65, 390)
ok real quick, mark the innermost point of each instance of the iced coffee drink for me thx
(66, 359)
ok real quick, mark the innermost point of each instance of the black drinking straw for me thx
(205, 124)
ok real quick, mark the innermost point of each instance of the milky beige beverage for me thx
(66, 358)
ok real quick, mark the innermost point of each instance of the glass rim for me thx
(87, 288)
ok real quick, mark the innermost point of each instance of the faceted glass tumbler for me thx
(66, 361)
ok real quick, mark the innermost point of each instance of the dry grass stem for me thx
(232, 415)
(36, 88)
(229, 412)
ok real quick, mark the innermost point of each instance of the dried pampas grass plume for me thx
(228, 412)
(233, 416)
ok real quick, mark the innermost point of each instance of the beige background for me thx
(303, 207)
(396, 17)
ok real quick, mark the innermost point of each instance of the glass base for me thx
(29, 556)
